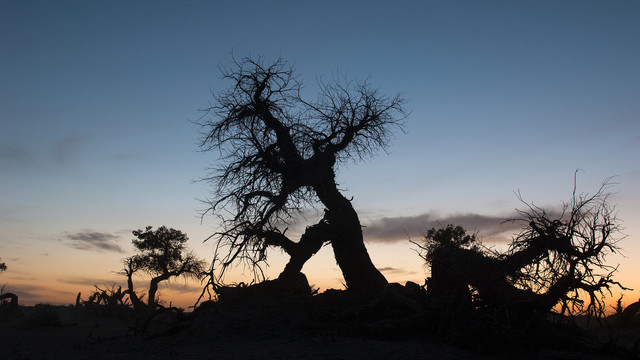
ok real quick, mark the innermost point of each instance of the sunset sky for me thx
(97, 99)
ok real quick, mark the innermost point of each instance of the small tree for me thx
(449, 237)
(162, 254)
(439, 246)
(3, 266)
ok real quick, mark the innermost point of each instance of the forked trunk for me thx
(153, 289)
(310, 243)
(138, 305)
(348, 243)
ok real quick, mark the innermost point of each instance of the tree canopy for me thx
(162, 254)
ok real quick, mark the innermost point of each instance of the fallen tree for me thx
(557, 260)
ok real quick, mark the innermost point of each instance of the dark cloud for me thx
(402, 228)
(91, 240)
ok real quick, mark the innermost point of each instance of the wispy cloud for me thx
(13, 153)
(65, 150)
(393, 270)
(93, 240)
(181, 287)
(87, 281)
(13, 158)
(397, 229)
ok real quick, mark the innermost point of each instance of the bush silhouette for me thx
(162, 253)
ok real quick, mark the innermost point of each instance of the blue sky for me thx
(96, 98)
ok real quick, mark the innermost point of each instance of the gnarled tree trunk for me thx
(348, 242)
(138, 305)
(310, 243)
(153, 289)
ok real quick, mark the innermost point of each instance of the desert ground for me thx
(248, 330)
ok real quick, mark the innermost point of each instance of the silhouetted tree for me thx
(130, 267)
(162, 254)
(278, 154)
(557, 258)
(562, 258)
(439, 245)
(12, 298)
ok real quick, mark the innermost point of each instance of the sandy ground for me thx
(80, 335)
(88, 336)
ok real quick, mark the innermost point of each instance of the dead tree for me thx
(557, 259)
(278, 154)
(562, 258)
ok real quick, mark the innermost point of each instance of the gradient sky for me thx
(96, 99)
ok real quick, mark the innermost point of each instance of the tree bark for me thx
(348, 242)
(310, 243)
(153, 288)
(138, 305)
